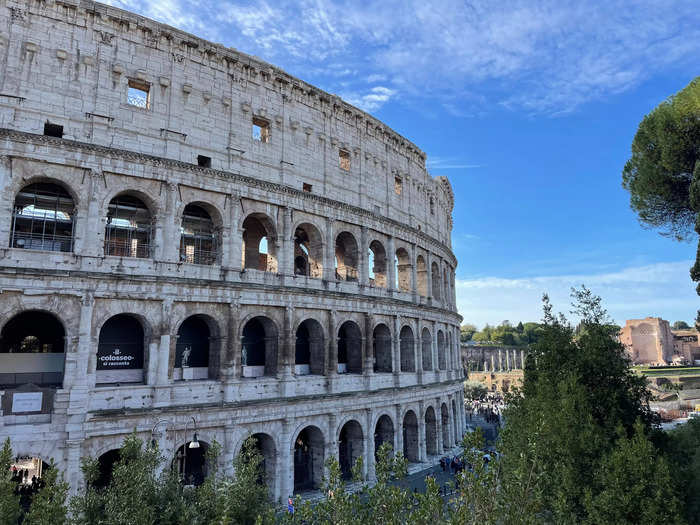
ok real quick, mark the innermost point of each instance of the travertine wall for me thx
(69, 63)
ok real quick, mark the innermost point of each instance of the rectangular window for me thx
(261, 130)
(137, 94)
(344, 158)
(203, 161)
(397, 185)
(53, 130)
(307, 187)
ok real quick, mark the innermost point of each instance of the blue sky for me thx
(529, 107)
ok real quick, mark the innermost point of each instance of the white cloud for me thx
(546, 56)
(662, 289)
(371, 101)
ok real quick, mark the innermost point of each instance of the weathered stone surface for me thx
(71, 64)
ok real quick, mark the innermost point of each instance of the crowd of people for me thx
(25, 487)
(490, 408)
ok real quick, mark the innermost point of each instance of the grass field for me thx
(671, 371)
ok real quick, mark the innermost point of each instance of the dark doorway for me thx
(192, 462)
(308, 459)
(350, 447)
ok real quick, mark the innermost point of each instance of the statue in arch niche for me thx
(186, 356)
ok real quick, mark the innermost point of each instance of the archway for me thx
(382, 348)
(442, 358)
(346, 255)
(445, 420)
(431, 445)
(308, 459)
(105, 464)
(192, 349)
(128, 229)
(408, 358)
(42, 218)
(259, 348)
(403, 270)
(435, 271)
(266, 447)
(383, 433)
(308, 251)
(349, 348)
(309, 348)
(427, 349)
(377, 264)
(32, 350)
(259, 243)
(350, 447)
(422, 276)
(191, 462)
(120, 350)
(410, 437)
(198, 236)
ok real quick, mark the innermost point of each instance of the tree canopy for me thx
(663, 173)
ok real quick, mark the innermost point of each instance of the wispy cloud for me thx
(449, 163)
(662, 289)
(548, 56)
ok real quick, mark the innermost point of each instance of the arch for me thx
(349, 348)
(259, 243)
(381, 338)
(43, 218)
(191, 462)
(377, 264)
(431, 444)
(450, 351)
(308, 251)
(403, 270)
(406, 344)
(442, 358)
(309, 348)
(105, 464)
(435, 274)
(32, 350)
(445, 420)
(346, 257)
(308, 459)
(351, 445)
(193, 348)
(410, 437)
(199, 238)
(265, 444)
(128, 227)
(427, 349)
(422, 276)
(383, 433)
(259, 347)
(120, 350)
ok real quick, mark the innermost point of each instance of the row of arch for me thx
(43, 218)
(31, 344)
(428, 434)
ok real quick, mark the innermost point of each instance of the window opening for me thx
(138, 94)
(42, 218)
(397, 185)
(53, 130)
(344, 158)
(198, 239)
(128, 230)
(306, 187)
(261, 130)
(203, 161)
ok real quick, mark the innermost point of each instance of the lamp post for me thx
(192, 444)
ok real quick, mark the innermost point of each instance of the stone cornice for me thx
(143, 158)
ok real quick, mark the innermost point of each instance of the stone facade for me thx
(167, 201)
(651, 341)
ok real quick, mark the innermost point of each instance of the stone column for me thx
(507, 359)
(230, 371)
(285, 257)
(329, 252)
(332, 357)
(417, 343)
(522, 359)
(362, 260)
(285, 467)
(369, 463)
(441, 445)
(396, 350)
(500, 360)
(493, 364)
(429, 276)
(287, 350)
(90, 236)
(236, 236)
(434, 346)
(332, 445)
(368, 353)
(422, 449)
(78, 373)
(390, 266)
(74, 476)
(171, 235)
(398, 430)
(414, 276)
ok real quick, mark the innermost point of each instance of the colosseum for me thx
(198, 247)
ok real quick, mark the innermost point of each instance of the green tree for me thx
(577, 396)
(682, 448)
(681, 325)
(466, 331)
(663, 173)
(9, 501)
(48, 506)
